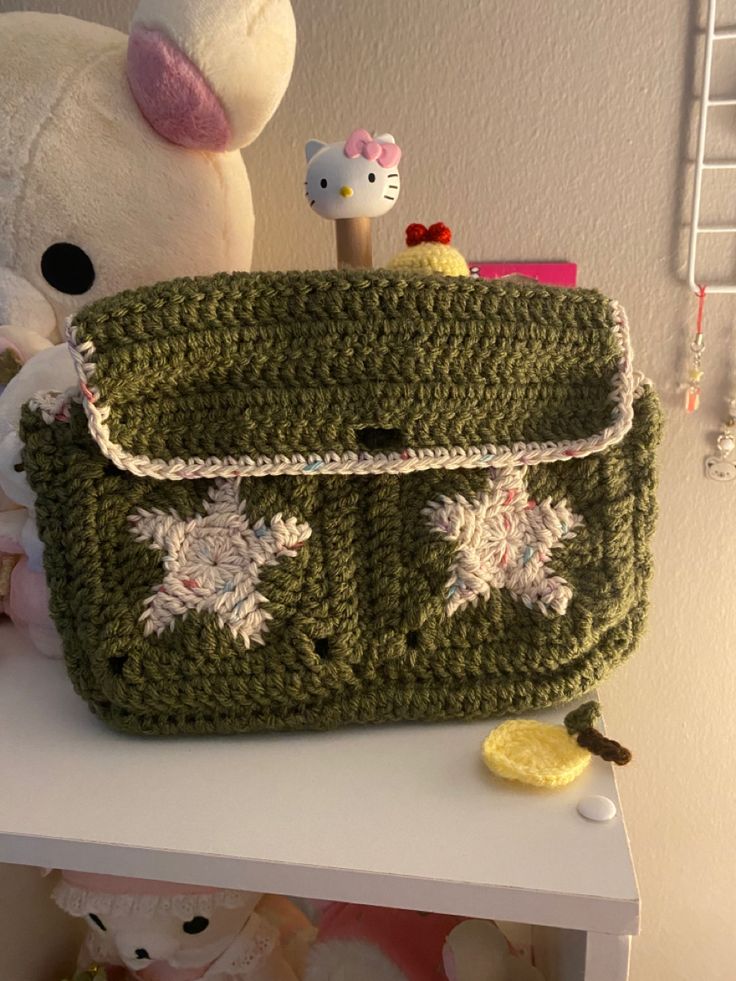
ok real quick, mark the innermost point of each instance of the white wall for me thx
(560, 129)
(38, 940)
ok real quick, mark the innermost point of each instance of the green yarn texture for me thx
(303, 363)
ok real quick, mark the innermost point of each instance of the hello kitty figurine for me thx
(143, 930)
(351, 183)
(355, 179)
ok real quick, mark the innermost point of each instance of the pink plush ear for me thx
(173, 95)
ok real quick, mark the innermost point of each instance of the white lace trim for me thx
(256, 942)
(81, 902)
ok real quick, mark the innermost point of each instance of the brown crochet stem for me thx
(579, 723)
(599, 745)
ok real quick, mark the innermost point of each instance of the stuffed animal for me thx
(371, 943)
(119, 167)
(429, 251)
(164, 931)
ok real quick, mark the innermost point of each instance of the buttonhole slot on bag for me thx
(321, 647)
(378, 438)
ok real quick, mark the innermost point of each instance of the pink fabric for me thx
(413, 941)
(173, 95)
(28, 600)
(554, 273)
(9, 546)
(360, 142)
(120, 885)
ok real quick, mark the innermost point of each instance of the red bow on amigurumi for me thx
(439, 232)
(429, 252)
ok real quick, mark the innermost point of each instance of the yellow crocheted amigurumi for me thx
(534, 753)
(429, 251)
(546, 755)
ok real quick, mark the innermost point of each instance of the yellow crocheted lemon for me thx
(429, 251)
(534, 753)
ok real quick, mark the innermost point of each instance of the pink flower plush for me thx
(372, 943)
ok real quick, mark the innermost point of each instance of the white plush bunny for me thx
(119, 167)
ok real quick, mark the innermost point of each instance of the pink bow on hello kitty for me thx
(360, 142)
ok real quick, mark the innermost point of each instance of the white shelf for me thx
(396, 815)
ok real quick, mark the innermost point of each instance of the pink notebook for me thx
(552, 273)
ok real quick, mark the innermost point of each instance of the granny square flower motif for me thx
(504, 541)
(212, 562)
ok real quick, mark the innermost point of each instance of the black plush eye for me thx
(67, 268)
(197, 925)
(372, 178)
(95, 919)
(323, 182)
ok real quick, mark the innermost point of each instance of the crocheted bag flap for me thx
(350, 372)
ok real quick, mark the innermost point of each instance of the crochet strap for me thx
(350, 373)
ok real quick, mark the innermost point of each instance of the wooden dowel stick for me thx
(354, 248)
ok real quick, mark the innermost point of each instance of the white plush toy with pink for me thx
(161, 931)
(140, 930)
(119, 167)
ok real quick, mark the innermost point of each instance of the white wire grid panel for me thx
(713, 36)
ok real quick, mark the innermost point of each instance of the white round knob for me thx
(597, 808)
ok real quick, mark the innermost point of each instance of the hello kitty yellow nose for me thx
(347, 192)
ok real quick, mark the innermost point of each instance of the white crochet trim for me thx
(81, 902)
(54, 406)
(641, 384)
(409, 461)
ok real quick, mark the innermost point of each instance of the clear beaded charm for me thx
(721, 467)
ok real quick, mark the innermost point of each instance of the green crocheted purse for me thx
(301, 500)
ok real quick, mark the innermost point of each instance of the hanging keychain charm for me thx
(721, 467)
(697, 346)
